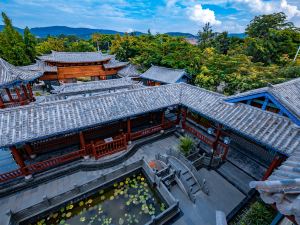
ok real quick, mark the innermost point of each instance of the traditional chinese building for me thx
(157, 75)
(130, 71)
(69, 66)
(283, 99)
(15, 85)
(51, 133)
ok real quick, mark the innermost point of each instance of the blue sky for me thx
(157, 15)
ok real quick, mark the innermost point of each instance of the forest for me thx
(218, 62)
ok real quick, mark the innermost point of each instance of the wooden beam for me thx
(162, 117)
(183, 119)
(82, 141)
(30, 92)
(9, 95)
(19, 159)
(25, 91)
(215, 143)
(274, 164)
(2, 106)
(128, 129)
(265, 104)
(28, 149)
(18, 94)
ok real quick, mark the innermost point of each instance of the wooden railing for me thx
(39, 166)
(11, 175)
(96, 150)
(152, 130)
(199, 135)
(222, 148)
(36, 167)
(105, 149)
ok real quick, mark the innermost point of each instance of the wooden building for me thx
(69, 66)
(97, 126)
(283, 99)
(16, 85)
(157, 75)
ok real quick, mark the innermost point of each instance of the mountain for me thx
(86, 33)
(238, 35)
(180, 34)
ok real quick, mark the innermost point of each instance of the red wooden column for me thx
(183, 119)
(274, 164)
(225, 153)
(215, 143)
(20, 100)
(30, 92)
(9, 95)
(178, 115)
(163, 118)
(82, 141)
(25, 91)
(19, 159)
(128, 130)
(29, 150)
(2, 106)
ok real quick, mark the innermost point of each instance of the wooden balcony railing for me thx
(97, 150)
(39, 166)
(152, 130)
(105, 149)
(222, 148)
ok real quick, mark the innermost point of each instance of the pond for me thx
(129, 201)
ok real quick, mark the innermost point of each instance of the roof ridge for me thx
(168, 68)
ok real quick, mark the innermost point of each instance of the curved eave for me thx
(81, 128)
(228, 127)
(74, 62)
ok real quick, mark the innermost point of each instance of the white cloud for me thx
(260, 6)
(290, 10)
(202, 16)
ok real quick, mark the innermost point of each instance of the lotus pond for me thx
(129, 201)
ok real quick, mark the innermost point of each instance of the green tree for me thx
(272, 39)
(222, 43)
(260, 26)
(103, 41)
(12, 47)
(30, 44)
(51, 44)
(205, 36)
(81, 46)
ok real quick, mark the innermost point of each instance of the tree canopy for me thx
(219, 62)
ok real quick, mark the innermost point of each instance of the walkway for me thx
(26, 198)
(222, 195)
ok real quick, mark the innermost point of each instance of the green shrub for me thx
(186, 144)
(258, 214)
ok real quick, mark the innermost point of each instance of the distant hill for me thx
(179, 34)
(239, 35)
(86, 33)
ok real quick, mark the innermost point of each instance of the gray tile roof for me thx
(113, 63)
(129, 71)
(287, 93)
(283, 187)
(11, 75)
(39, 121)
(75, 57)
(87, 93)
(163, 74)
(39, 66)
(93, 86)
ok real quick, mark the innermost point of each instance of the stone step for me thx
(195, 189)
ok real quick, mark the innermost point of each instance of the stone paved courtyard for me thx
(223, 196)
